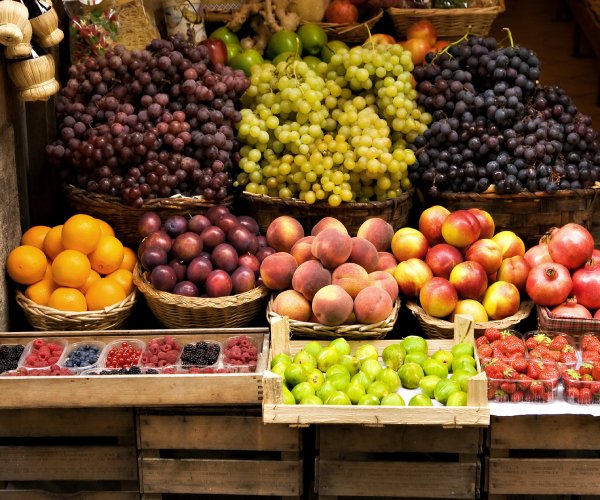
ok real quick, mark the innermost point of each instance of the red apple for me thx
(217, 50)
(408, 243)
(461, 228)
(487, 252)
(411, 275)
(418, 48)
(442, 258)
(423, 29)
(488, 226)
(381, 39)
(438, 297)
(470, 280)
(341, 12)
(501, 299)
(510, 243)
(514, 270)
(538, 254)
(430, 223)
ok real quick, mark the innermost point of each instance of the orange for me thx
(40, 292)
(53, 242)
(107, 256)
(81, 232)
(26, 264)
(103, 293)
(105, 228)
(34, 236)
(48, 273)
(67, 299)
(70, 268)
(129, 259)
(124, 278)
(93, 276)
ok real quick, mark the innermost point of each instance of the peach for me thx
(302, 249)
(277, 270)
(283, 232)
(327, 223)
(351, 320)
(364, 253)
(386, 281)
(377, 231)
(372, 305)
(408, 243)
(310, 277)
(430, 223)
(387, 262)
(351, 277)
(332, 305)
(292, 304)
(332, 247)
(486, 221)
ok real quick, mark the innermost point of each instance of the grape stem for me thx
(510, 38)
(451, 44)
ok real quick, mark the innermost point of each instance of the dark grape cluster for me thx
(494, 125)
(151, 123)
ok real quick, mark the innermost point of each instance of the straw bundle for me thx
(13, 18)
(22, 49)
(34, 77)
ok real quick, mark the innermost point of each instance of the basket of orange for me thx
(73, 276)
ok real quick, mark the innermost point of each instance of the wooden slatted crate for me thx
(398, 461)
(80, 453)
(217, 451)
(534, 456)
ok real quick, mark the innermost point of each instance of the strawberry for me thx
(589, 342)
(585, 396)
(572, 394)
(558, 343)
(595, 388)
(524, 381)
(513, 344)
(493, 371)
(534, 369)
(485, 351)
(520, 365)
(517, 397)
(596, 371)
(569, 358)
(492, 334)
(508, 387)
(590, 356)
(536, 389)
(479, 341)
(500, 396)
(549, 372)
(571, 377)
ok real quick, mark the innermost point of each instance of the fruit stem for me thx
(510, 38)
(451, 44)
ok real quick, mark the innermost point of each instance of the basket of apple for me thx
(202, 271)
(455, 263)
(329, 284)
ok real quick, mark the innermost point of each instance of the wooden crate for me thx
(217, 452)
(533, 456)
(82, 454)
(476, 413)
(398, 461)
(135, 390)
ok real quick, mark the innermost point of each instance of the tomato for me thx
(549, 284)
(283, 41)
(225, 34)
(570, 245)
(312, 37)
(586, 285)
(245, 60)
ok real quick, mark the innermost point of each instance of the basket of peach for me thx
(73, 276)
(328, 283)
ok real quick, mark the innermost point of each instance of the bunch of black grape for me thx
(151, 123)
(493, 125)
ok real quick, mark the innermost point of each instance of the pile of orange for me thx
(76, 266)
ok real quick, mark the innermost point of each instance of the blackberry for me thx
(9, 357)
(201, 353)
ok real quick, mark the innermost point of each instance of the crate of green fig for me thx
(384, 388)
(49, 452)
(217, 451)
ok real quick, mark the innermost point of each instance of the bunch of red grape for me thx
(150, 124)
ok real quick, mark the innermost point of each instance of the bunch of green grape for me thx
(335, 133)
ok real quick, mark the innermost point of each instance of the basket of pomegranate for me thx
(202, 271)
(564, 281)
(456, 263)
(330, 284)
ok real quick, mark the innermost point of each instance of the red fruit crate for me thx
(537, 455)
(589, 348)
(552, 348)
(575, 327)
(581, 385)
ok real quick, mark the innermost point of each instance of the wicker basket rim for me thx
(563, 193)
(168, 298)
(33, 308)
(501, 7)
(524, 310)
(294, 202)
(340, 329)
(350, 26)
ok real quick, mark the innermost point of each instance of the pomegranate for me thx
(570, 245)
(571, 309)
(548, 284)
(586, 285)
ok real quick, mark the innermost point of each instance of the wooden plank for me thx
(399, 438)
(225, 477)
(408, 479)
(199, 432)
(68, 463)
(557, 476)
(10, 494)
(552, 432)
(67, 422)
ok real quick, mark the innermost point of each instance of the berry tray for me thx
(42, 353)
(161, 352)
(80, 356)
(172, 386)
(206, 353)
(552, 348)
(122, 353)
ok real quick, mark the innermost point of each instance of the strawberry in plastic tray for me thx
(552, 348)
(504, 345)
(581, 385)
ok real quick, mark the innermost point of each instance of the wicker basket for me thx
(49, 319)
(529, 215)
(350, 33)
(219, 11)
(436, 328)
(355, 332)
(124, 218)
(575, 327)
(177, 311)
(448, 22)
(265, 208)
